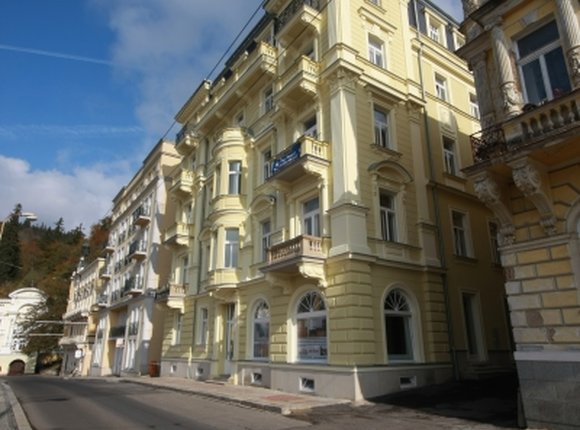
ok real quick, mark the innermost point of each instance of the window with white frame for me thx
(261, 330)
(449, 156)
(235, 177)
(265, 228)
(381, 127)
(376, 51)
(202, 326)
(268, 99)
(542, 64)
(311, 127)
(311, 328)
(460, 233)
(232, 246)
(494, 242)
(441, 87)
(398, 326)
(473, 106)
(434, 30)
(311, 217)
(388, 216)
(177, 323)
(267, 163)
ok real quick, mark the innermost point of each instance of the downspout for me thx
(436, 202)
(203, 201)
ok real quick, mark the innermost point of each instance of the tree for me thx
(10, 247)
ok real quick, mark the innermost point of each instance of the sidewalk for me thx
(262, 398)
(11, 414)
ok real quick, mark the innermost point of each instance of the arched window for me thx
(261, 330)
(311, 328)
(398, 326)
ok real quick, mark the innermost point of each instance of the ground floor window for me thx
(261, 330)
(311, 326)
(398, 326)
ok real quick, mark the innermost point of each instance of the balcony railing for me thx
(535, 124)
(305, 149)
(172, 294)
(301, 78)
(182, 184)
(301, 246)
(186, 140)
(293, 8)
(132, 286)
(141, 216)
(137, 250)
(105, 273)
(179, 234)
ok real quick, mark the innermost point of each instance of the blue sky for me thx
(87, 87)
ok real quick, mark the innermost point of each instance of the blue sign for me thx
(287, 158)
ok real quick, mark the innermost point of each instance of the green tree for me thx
(10, 247)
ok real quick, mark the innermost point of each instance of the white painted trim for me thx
(559, 356)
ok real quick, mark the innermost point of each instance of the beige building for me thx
(125, 338)
(325, 239)
(79, 320)
(526, 57)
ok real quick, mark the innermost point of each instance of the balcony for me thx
(108, 249)
(259, 59)
(172, 295)
(182, 185)
(298, 16)
(141, 216)
(101, 303)
(542, 125)
(178, 235)
(300, 80)
(288, 256)
(72, 340)
(105, 274)
(137, 250)
(117, 332)
(186, 140)
(133, 286)
(306, 156)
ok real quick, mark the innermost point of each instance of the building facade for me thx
(135, 262)
(14, 311)
(325, 239)
(79, 319)
(525, 57)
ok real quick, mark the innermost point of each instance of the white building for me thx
(13, 312)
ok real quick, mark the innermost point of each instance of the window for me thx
(434, 31)
(268, 100)
(267, 163)
(177, 323)
(441, 87)
(261, 330)
(311, 326)
(398, 326)
(494, 242)
(388, 217)
(450, 163)
(184, 269)
(311, 127)
(473, 106)
(381, 125)
(202, 326)
(232, 245)
(235, 177)
(376, 54)
(542, 65)
(472, 322)
(218, 180)
(311, 211)
(459, 222)
(266, 229)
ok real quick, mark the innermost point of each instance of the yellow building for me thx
(525, 57)
(128, 321)
(79, 321)
(325, 239)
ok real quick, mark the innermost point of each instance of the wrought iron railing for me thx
(488, 143)
(293, 8)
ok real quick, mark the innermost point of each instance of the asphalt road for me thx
(53, 403)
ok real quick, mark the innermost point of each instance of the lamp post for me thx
(31, 216)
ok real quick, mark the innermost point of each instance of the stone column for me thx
(571, 34)
(511, 98)
(478, 65)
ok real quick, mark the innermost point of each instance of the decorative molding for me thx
(315, 272)
(343, 79)
(528, 177)
(574, 63)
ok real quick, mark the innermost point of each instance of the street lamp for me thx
(31, 216)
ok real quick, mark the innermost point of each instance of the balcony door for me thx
(311, 217)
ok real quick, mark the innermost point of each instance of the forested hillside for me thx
(44, 257)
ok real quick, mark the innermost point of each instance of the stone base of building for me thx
(346, 382)
(550, 388)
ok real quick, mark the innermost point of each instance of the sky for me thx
(88, 87)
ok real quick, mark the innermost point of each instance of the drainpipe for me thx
(436, 202)
(203, 201)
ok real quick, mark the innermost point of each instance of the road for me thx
(71, 404)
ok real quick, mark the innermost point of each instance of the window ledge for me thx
(454, 177)
(466, 259)
(395, 155)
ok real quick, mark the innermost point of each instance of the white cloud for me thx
(82, 197)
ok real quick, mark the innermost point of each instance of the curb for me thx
(247, 403)
(22, 422)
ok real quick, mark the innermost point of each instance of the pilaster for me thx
(511, 97)
(571, 33)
